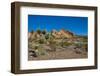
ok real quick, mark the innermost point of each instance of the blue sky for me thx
(77, 25)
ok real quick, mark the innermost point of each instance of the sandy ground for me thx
(65, 54)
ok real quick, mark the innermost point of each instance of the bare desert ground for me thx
(68, 53)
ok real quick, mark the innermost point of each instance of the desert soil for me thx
(61, 54)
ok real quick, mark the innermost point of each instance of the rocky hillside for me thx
(42, 43)
(57, 34)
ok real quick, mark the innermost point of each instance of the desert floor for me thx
(68, 53)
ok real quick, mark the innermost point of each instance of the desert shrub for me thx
(44, 32)
(85, 46)
(84, 39)
(78, 45)
(66, 44)
(47, 36)
(35, 47)
(38, 31)
(41, 41)
(32, 31)
(41, 51)
(52, 42)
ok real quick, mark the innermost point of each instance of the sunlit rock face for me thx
(62, 33)
(67, 34)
